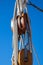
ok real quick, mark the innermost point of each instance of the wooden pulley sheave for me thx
(21, 21)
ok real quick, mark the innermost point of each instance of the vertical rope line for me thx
(21, 5)
(36, 54)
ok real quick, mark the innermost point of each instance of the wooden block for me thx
(21, 58)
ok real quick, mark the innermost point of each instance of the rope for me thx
(38, 8)
(36, 55)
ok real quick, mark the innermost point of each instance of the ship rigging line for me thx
(31, 4)
(36, 54)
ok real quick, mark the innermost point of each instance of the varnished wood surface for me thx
(22, 21)
(21, 58)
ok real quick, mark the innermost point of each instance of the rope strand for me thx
(38, 8)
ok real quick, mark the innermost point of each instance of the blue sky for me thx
(6, 14)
